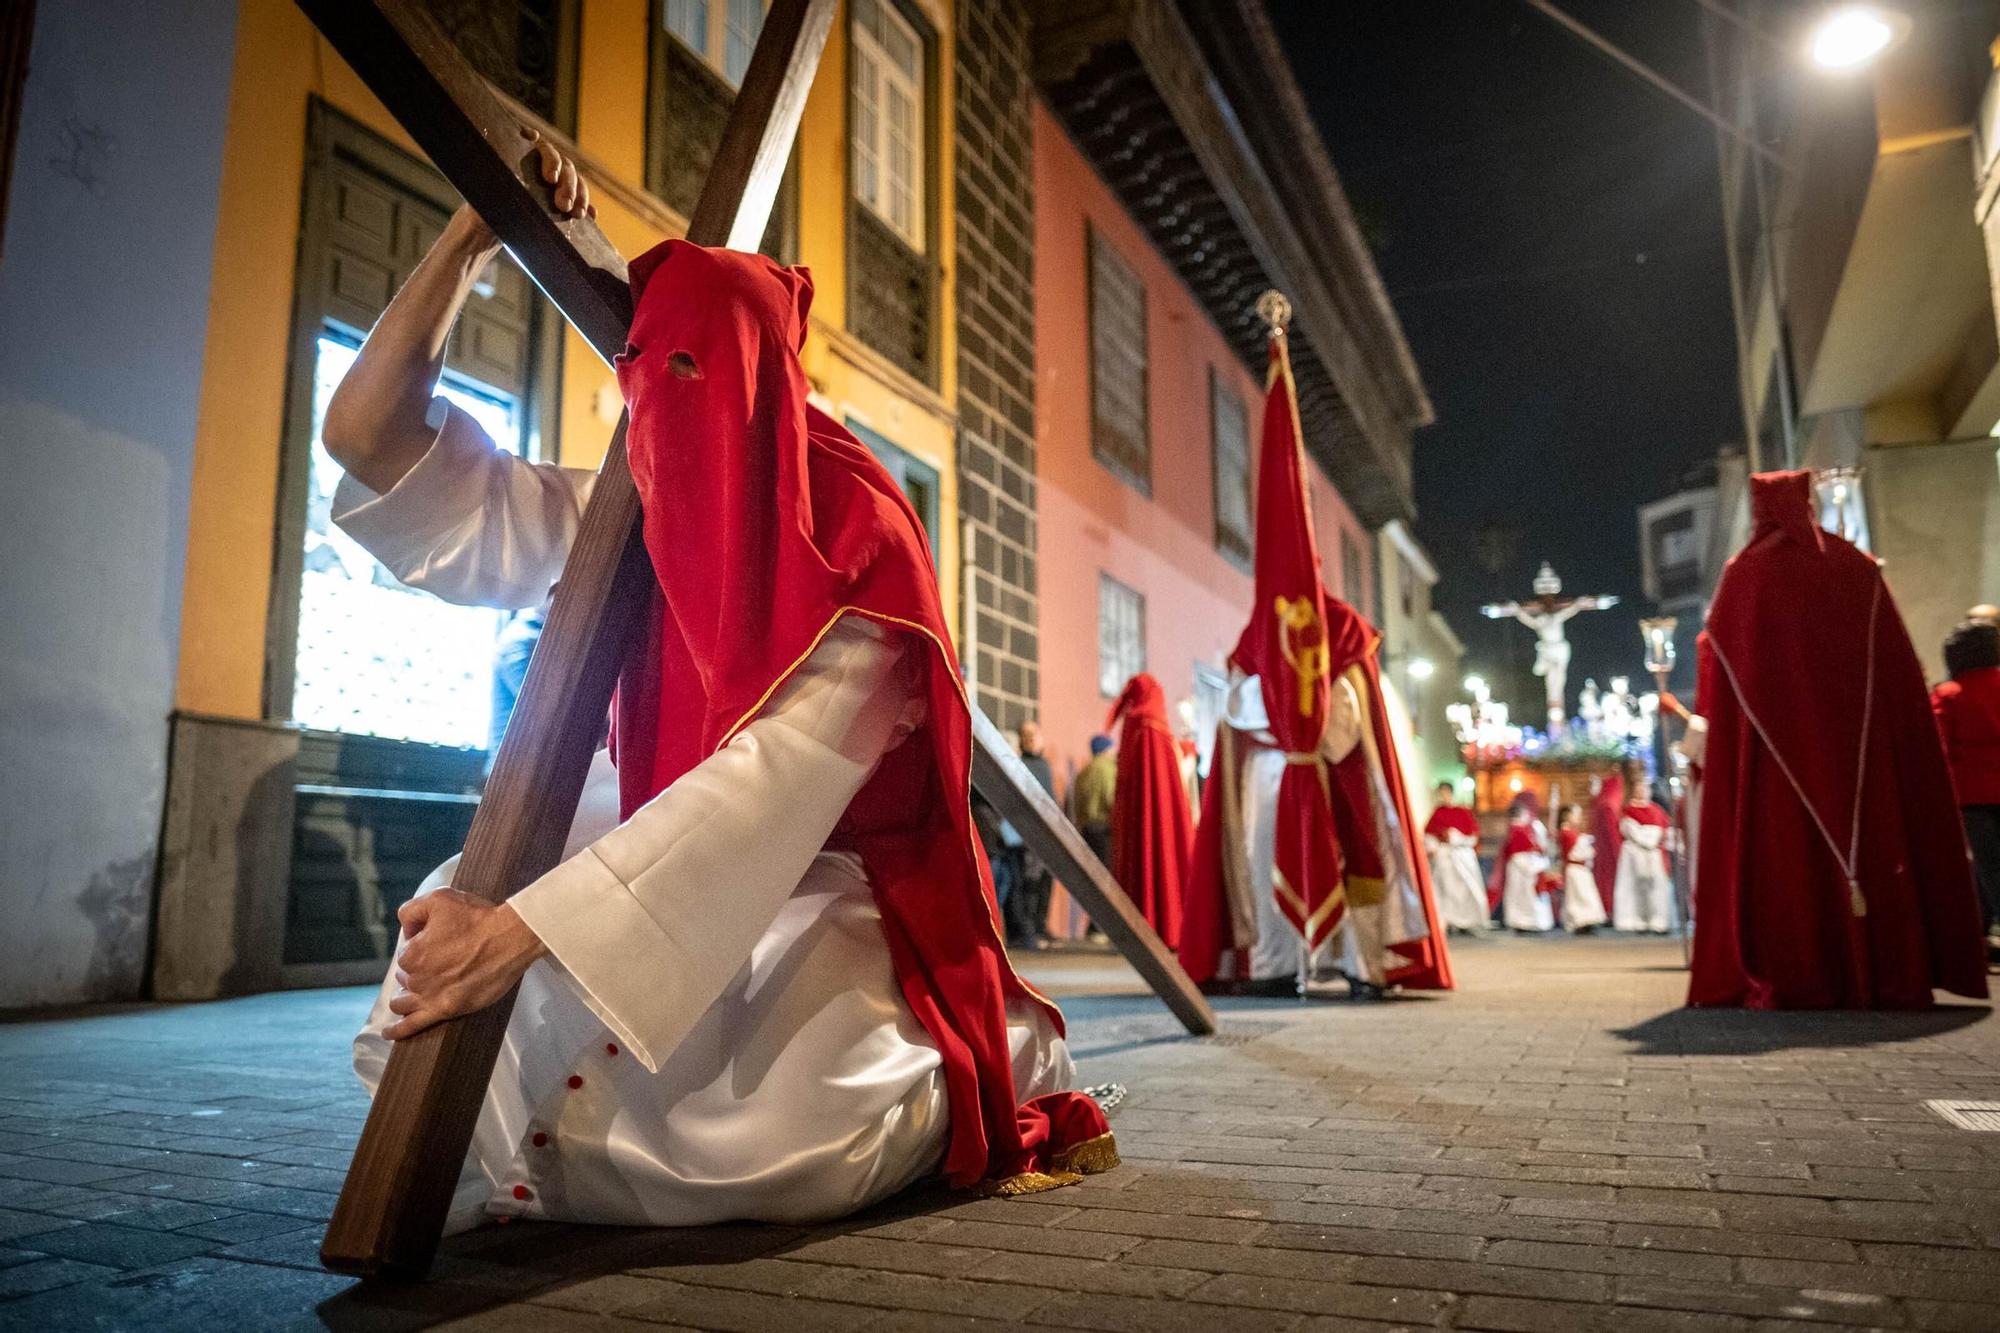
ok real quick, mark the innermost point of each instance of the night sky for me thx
(1548, 230)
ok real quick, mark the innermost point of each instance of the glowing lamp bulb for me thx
(1851, 36)
(1421, 668)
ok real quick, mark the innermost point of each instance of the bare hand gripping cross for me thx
(399, 1186)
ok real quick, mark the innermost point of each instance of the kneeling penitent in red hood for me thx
(766, 523)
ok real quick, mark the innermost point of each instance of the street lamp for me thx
(1852, 35)
(1421, 668)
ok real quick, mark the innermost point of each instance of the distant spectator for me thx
(511, 651)
(1967, 708)
(1092, 795)
(1027, 911)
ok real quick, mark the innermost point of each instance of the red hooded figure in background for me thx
(1833, 871)
(1607, 810)
(766, 523)
(1152, 830)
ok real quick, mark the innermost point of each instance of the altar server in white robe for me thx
(1643, 901)
(1451, 837)
(676, 1055)
(1524, 863)
(1582, 906)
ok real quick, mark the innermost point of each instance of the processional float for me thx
(398, 1189)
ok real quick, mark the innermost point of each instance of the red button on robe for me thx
(766, 522)
(1833, 872)
(1152, 831)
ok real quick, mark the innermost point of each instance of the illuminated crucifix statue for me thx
(1546, 615)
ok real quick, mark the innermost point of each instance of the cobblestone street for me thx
(1555, 1146)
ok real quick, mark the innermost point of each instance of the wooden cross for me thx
(399, 1187)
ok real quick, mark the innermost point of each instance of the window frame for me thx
(1109, 591)
(1236, 546)
(917, 88)
(1097, 246)
(714, 52)
(331, 137)
(904, 467)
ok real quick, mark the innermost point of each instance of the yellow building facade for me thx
(313, 902)
(281, 65)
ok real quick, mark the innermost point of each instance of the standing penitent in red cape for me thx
(767, 523)
(1607, 810)
(1832, 874)
(1344, 837)
(1152, 830)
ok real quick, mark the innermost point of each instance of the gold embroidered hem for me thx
(1365, 891)
(1088, 1158)
(1091, 1157)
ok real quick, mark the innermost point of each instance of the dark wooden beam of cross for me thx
(399, 1187)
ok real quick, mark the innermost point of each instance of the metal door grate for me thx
(1981, 1117)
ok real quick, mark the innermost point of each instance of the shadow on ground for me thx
(1760, 1032)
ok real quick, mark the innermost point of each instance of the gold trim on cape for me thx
(1089, 1158)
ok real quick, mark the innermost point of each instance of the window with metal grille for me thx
(887, 91)
(700, 49)
(722, 32)
(892, 279)
(527, 48)
(1118, 429)
(1229, 425)
(1121, 635)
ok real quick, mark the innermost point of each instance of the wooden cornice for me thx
(1230, 95)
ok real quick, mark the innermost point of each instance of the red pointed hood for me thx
(766, 522)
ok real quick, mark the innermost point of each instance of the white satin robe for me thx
(1583, 905)
(1461, 892)
(1642, 897)
(1522, 907)
(1359, 947)
(718, 1034)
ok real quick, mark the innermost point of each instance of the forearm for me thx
(375, 426)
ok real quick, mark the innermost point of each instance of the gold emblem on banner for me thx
(1302, 639)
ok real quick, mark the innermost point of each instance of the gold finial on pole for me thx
(1275, 309)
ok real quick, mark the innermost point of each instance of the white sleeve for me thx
(653, 919)
(1646, 835)
(1343, 722)
(470, 523)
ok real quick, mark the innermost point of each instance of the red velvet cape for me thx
(1645, 812)
(1452, 819)
(1152, 831)
(1832, 874)
(1604, 814)
(766, 523)
(1427, 961)
(1523, 837)
(1567, 839)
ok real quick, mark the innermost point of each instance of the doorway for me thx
(390, 691)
